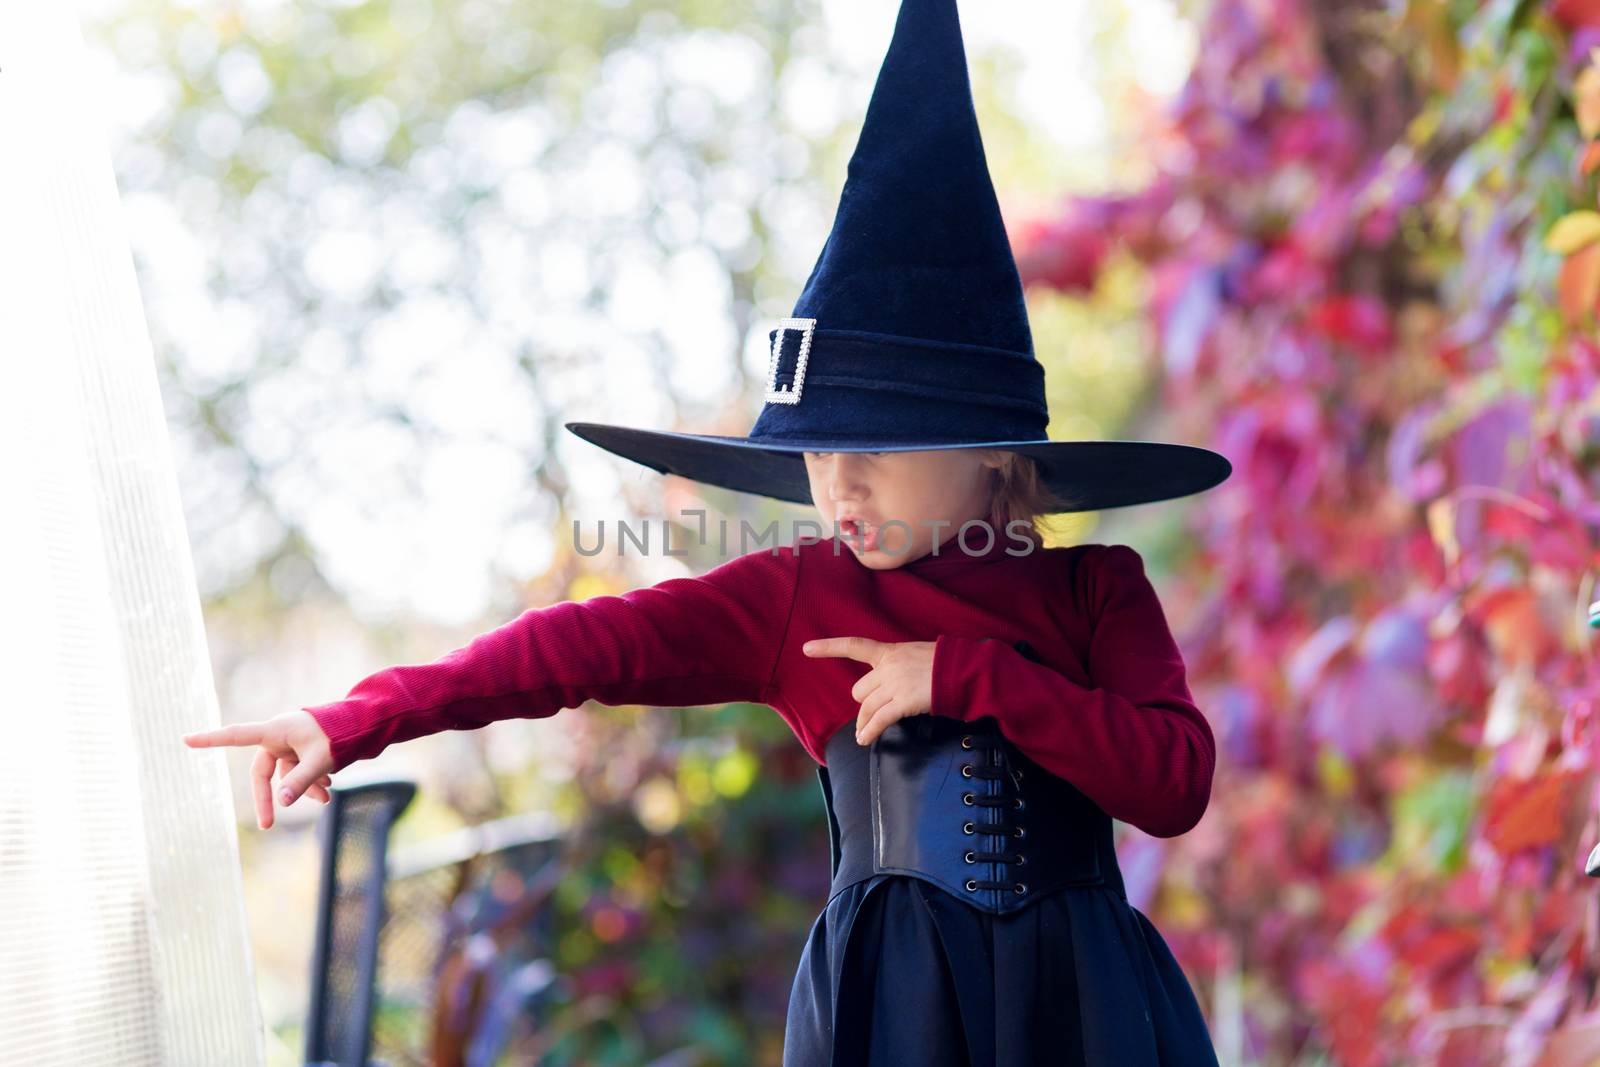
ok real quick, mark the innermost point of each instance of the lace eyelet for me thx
(1021, 888)
(968, 828)
(966, 770)
(1020, 860)
(1017, 831)
(969, 856)
(1016, 803)
(966, 798)
(966, 741)
(972, 885)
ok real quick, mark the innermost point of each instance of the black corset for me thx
(958, 804)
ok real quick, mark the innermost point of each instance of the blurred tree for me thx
(426, 233)
(1372, 265)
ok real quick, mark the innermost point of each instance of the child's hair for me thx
(1018, 492)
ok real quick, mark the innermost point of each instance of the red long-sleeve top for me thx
(1108, 708)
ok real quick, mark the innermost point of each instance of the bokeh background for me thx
(385, 249)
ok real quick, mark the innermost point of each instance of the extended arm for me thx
(1137, 745)
(682, 642)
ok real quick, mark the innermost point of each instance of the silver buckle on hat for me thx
(789, 394)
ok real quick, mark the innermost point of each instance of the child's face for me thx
(915, 488)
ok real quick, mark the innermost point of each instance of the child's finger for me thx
(261, 786)
(286, 766)
(298, 781)
(870, 703)
(866, 685)
(240, 733)
(864, 649)
(875, 717)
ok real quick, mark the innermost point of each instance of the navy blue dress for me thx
(897, 970)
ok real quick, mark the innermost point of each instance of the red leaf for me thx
(1578, 284)
(1590, 159)
(1440, 950)
(1527, 812)
(1356, 319)
(1576, 13)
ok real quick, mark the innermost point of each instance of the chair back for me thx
(354, 833)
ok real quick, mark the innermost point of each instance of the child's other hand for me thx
(899, 684)
(292, 743)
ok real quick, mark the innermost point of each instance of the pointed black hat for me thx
(911, 332)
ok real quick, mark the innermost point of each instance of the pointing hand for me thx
(899, 684)
(291, 742)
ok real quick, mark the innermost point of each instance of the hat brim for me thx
(1094, 474)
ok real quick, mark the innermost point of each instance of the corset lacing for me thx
(1003, 804)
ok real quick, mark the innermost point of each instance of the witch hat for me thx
(911, 332)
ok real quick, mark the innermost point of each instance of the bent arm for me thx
(682, 642)
(1137, 745)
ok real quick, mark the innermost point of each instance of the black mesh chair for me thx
(354, 831)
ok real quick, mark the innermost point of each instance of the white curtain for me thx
(122, 933)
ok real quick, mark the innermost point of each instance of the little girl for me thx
(980, 707)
